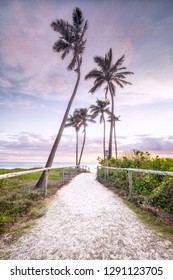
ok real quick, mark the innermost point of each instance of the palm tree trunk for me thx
(111, 125)
(42, 179)
(115, 140)
(104, 137)
(77, 142)
(83, 145)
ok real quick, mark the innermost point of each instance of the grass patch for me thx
(152, 222)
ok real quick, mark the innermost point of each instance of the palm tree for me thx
(111, 75)
(71, 40)
(75, 121)
(115, 119)
(85, 118)
(100, 109)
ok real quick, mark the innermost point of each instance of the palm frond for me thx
(126, 73)
(81, 47)
(99, 80)
(121, 68)
(115, 119)
(107, 111)
(97, 85)
(108, 59)
(84, 29)
(118, 83)
(59, 25)
(77, 20)
(69, 124)
(124, 82)
(66, 52)
(118, 76)
(61, 45)
(118, 63)
(100, 62)
(93, 74)
(94, 114)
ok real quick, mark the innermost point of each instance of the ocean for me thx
(27, 165)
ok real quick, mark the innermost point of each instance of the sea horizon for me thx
(28, 165)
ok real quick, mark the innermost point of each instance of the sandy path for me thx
(87, 221)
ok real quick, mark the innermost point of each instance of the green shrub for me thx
(162, 197)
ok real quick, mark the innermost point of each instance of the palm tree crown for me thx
(85, 116)
(115, 119)
(101, 108)
(74, 120)
(72, 38)
(108, 73)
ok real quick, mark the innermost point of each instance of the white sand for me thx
(87, 221)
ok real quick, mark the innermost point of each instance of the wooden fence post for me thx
(130, 185)
(105, 174)
(63, 175)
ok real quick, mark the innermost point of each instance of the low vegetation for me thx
(150, 192)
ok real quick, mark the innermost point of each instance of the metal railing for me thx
(70, 168)
(130, 171)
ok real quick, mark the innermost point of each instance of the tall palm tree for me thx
(85, 118)
(111, 74)
(75, 121)
(115, 119)
(100, 109)
(71, 40)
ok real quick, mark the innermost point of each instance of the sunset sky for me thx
(35, 85)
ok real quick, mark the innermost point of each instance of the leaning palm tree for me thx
(75, 121)
(100, 109)
(85, 118)
(111, 74)
(115, 119)
(71, 41)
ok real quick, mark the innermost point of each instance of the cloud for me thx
(4, 83)
(160, 145)
(32, 146)
(36, 147)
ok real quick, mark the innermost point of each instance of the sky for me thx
(35, 85)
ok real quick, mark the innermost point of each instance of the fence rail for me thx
(130, 171)
(15, 174)
(63, 168)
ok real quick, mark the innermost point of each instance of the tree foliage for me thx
(148, 189)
